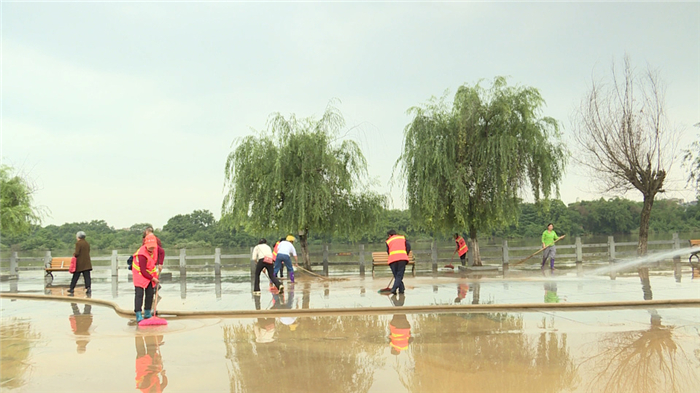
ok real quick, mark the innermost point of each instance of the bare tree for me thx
(624, 137)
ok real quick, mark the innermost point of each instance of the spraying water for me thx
(630, 263)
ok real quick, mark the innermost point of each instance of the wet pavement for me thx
(55, 346)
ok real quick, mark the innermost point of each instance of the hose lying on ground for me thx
(440, 308)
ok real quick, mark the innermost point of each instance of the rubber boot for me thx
(139, 316)
(147, 314)
(291, 276)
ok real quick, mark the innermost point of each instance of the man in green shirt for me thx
(550, 250)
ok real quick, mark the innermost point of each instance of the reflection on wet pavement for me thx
(633, 350)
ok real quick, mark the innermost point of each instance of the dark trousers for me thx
(270, 272)
(397, 269)
(76, 275)
(138, 299)
(463, 258)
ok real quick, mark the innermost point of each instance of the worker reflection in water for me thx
(264, 329)
(550, 292)
(399, 327)
(149, 364)
(462, 290)
(80, 324)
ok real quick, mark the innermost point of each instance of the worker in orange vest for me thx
(145, 276)
(398, 248)
(399, 328)
(461, 249)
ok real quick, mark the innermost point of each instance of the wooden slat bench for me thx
(695, 266)
(58, 265)
(382, 259)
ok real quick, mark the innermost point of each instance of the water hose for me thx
(438, 308)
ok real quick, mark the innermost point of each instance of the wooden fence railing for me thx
(493, 256)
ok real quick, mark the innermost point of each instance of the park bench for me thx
(382, 259)
(695, 266)
(58, 265)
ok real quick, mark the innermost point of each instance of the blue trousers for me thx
(284, 258)
(397, 269)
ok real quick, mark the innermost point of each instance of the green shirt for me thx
(548, 237)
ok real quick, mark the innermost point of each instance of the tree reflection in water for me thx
(643, 361)
(486, 352)
(16, 341)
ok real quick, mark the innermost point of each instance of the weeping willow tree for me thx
(300, 176)
(467, 166)
(17, 211)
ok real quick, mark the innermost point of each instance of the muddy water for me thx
(72, 347)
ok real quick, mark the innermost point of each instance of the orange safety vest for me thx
(140, 280)
(274, 251)
(397, 248)
(399, 337)
(461, 246)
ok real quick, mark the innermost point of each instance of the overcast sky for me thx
(126, 112)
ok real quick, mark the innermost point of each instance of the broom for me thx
(450, 266)
(154, 320)
(387, 289)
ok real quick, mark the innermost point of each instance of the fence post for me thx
(434, 255)
(13, 265)
(611, 247)
(579, 250)
(362, 260)
(579, 256)
(506, 259)
(183, 259)
(115, 262)
(677, 258)
(47, 259)
(217, 262)
(325, 260)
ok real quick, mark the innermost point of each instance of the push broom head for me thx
(153, 321)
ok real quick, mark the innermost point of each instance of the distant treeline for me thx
(200, 229)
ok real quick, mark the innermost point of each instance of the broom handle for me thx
(155, 301)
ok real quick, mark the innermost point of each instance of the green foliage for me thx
(300, 176)
(17, 212)
(599, 217)
(602, 217)
(466, 166)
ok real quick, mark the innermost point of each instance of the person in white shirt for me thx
(262, 253)
(284, 250)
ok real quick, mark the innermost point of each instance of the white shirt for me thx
(286, 248)
(260, 251)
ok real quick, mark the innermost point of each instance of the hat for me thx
(150, 241)
(290, 238)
